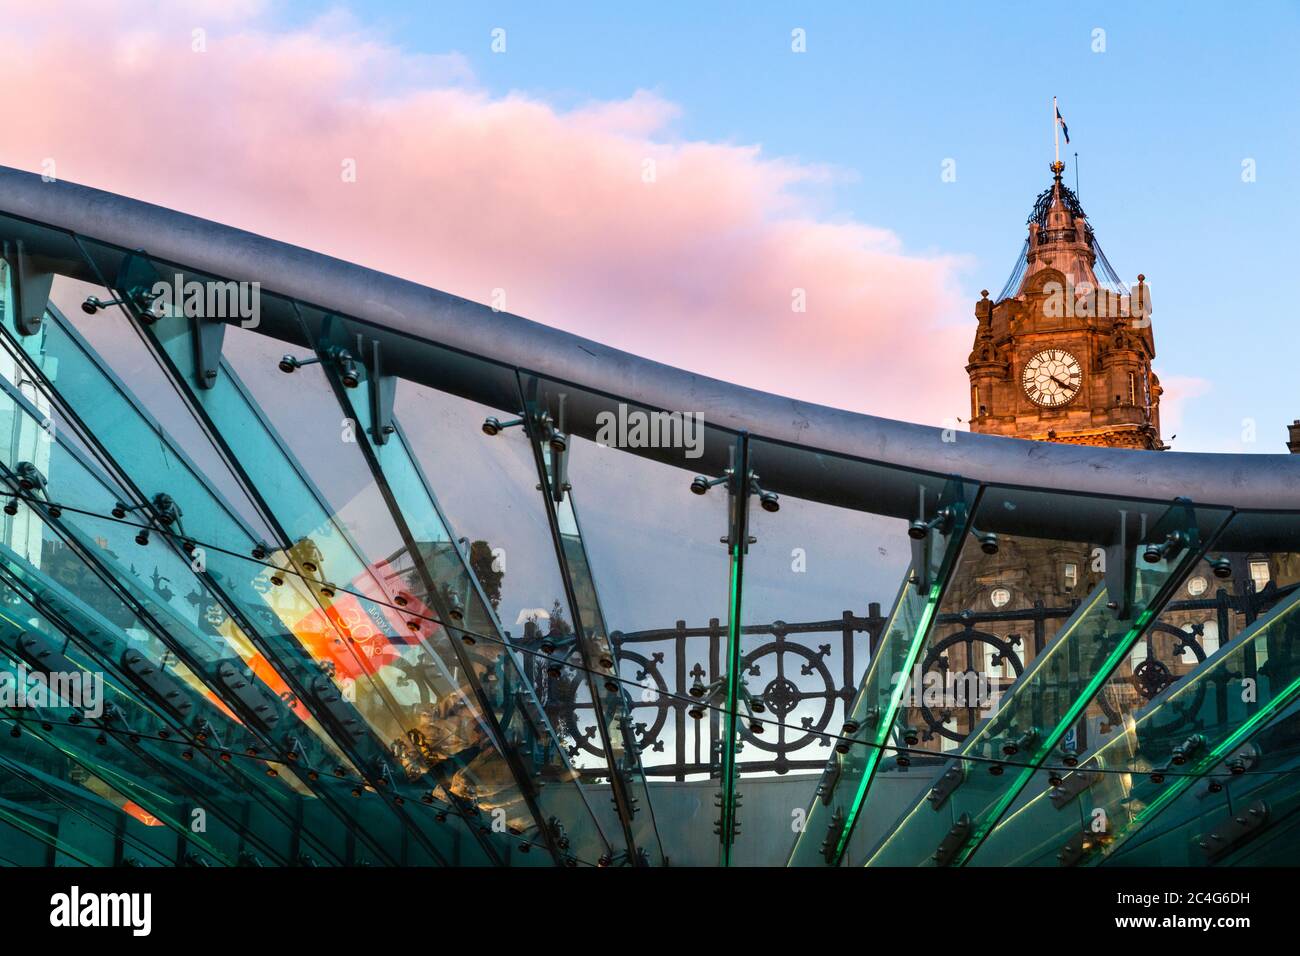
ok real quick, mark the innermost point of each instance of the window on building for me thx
(1132, 388)
(1071, 574)
(995, 669)
(1209, 636)
(1259, 573)
(999, 597)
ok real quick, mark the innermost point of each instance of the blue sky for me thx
(1162, 121)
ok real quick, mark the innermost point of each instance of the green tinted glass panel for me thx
(1144, 549)
(926, 544)
(1191, 726)
(1242, 813)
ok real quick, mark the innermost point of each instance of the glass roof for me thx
(284, 586)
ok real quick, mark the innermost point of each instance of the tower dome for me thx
(1061, 238)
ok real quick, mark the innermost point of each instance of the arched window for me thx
(1209, 640)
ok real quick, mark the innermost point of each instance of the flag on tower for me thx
(1064, 129)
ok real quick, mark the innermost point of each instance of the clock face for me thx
(1052, 377)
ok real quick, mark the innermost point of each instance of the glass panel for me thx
(1203, 824)
(246, 586)
(815, 566)
(57, 813)
(644, 561)
(608, 693)
(185, 621)
(1220, 597)
(1192, 727)
(1145, 743)
(1141, 551)
(42, 548)
(258, 805)
(129, 773)
(430, 574)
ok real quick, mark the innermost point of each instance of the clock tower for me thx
(1062, 354)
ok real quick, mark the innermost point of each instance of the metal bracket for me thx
(738, 486)
(209, 336)
(343, 716)
(953, 777)
(204, 732)
(1174, 533)
(163, 687)
(921, 563)
(31, 289)
(135, 283)
(1078, 846)
(1182, 751)
(928, 535)
(241, 683)
(834, 831)
(42, 653)
(381, 389)
(31, 479)
(830, 780)
(1121, 577)
(560, 459)
(1241, 760)
(1074, 784)
(382, 393)
(1235, 830)
(951, 844)
(1023, 742)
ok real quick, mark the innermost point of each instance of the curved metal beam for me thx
(404, 308)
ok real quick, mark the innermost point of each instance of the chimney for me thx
(1293, 437)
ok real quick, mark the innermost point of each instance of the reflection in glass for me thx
(1141, 554)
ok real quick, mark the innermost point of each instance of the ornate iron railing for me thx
(805, 685)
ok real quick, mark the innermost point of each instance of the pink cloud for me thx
(1180, 391)
(470, 193)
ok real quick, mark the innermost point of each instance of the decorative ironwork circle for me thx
(570, 695)
(937, 656)
(1152, 675)
(790, 698)
(781, 696)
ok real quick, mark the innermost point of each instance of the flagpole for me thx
(1056, 130)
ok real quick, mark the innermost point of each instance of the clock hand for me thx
(1062, 384)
